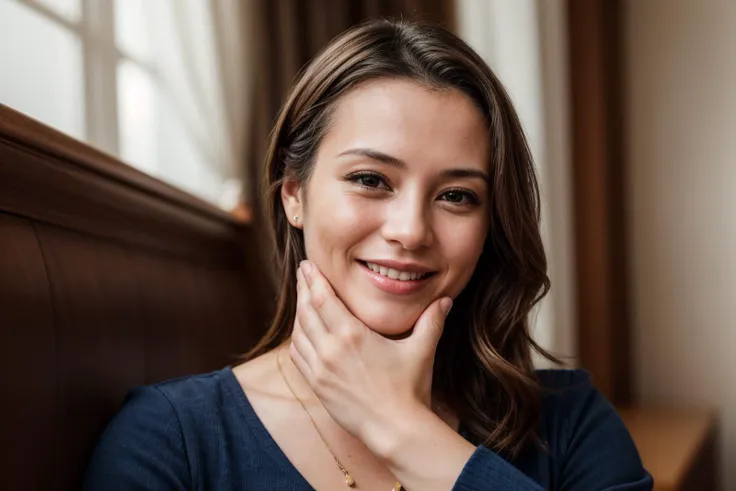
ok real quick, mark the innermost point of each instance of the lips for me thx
(390, 279)
(395, 274)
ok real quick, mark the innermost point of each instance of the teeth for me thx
(394, 273)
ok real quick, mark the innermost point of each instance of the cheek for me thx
(336, 222)
(462, 250)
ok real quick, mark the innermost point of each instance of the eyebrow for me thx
(400, 164)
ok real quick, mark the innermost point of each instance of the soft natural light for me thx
(69, 9)
(172, 138)
(137, 125)
(182, 156)
(45, 78)
(133, 24)
(136, 78)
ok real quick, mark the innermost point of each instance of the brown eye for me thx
(460, 197)
(369, 181)
(454, 197)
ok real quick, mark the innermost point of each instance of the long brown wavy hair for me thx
(483, 367)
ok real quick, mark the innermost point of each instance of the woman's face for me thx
(399, 188)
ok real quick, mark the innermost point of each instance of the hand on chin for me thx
(350, 369)
(392, 323)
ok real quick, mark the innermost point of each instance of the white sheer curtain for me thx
(524, 42)
(183, 96)
(163, 84)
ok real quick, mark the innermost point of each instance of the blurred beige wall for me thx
(681, 131)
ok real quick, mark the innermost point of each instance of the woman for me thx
(399, 183)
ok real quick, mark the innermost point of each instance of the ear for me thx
(291, 198)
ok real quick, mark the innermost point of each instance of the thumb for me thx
(429, 327)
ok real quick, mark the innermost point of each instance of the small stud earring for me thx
(296, 218)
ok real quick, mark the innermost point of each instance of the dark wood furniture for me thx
(109, 279)
(679, 447)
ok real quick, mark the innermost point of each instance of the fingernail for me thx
(446, 305)
(306, 270)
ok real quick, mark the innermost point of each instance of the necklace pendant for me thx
(349, 479)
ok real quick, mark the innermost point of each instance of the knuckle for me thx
(331, 357)
(351, 338)
(293, 352)
(296, 336)
(302, 301)
(318, 300)
(320, 377)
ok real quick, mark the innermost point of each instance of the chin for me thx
(389, 323)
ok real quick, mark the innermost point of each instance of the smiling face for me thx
(399, 188)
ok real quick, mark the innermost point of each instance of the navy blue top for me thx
(201, 433)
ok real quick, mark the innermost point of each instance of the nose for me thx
(408, 222)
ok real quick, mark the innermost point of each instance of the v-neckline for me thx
(264, 437)
(259, 430)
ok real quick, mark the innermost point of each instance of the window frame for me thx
(101, 57)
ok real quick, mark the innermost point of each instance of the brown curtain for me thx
(286, 34)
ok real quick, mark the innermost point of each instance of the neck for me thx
(294, 378)
(303, 390)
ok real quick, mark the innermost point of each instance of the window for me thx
(135, 78)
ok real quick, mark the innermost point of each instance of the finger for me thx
(311, 323)
(335, 316)
(303, 345)
(428, 329)
(299, 362)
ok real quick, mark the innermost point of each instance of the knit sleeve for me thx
(595, 451)
(599, 452)
(486, 471)
(142, 448)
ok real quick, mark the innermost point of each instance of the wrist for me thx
(385, 434)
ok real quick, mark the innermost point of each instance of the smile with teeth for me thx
(395, 273)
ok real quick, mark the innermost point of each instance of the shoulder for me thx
(582, 429)
(568, 390)
(565, 393)
(193, 392)
(569, 398)
(172, 398)
(563, 379)
(203, 407)
(181, 401)
(566, 396)
(152, 442)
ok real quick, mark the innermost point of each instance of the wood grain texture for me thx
(108, 280)
(85, 190)
(27, 133)
(28, 355)
(100, 354)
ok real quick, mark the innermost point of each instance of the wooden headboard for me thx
(109, 279)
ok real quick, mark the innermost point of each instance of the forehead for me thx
(410, 121)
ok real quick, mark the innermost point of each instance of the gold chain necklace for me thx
(349, 481)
